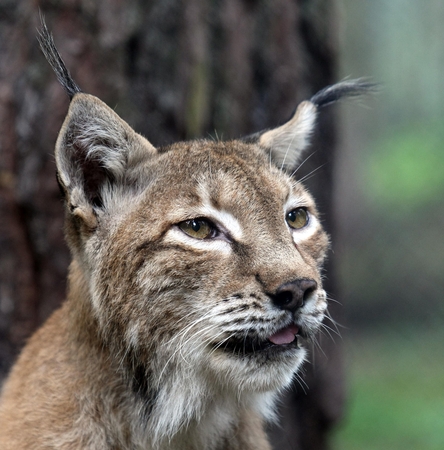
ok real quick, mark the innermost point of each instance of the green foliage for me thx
(405, 169)
(396, 392)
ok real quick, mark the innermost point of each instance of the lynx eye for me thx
(297, 218)
(197, 228)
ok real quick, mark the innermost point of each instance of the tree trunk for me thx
(174, 70)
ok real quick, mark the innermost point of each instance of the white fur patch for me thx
(225, 219)
(307, 232)
(175, 235)
(132, 334)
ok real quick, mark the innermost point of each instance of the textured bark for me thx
(174, 70)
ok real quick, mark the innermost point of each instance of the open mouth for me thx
(285, 338)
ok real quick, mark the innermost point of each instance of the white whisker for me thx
(309, 175)
(301, 164)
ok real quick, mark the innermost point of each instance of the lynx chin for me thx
(194, 286)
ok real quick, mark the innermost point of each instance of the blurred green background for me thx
(390, 214)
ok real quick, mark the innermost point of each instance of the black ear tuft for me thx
(52, 55)
(346, 88)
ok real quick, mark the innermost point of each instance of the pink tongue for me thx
(284, 336)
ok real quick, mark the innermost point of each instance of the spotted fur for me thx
(165, 340)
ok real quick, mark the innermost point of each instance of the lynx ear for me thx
(96, 152)
(288, 142)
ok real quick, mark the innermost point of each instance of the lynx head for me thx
(202, 254)
(201, 261)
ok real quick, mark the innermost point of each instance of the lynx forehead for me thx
(194, 285)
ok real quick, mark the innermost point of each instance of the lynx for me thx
(194, 285)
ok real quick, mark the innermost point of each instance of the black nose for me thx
(291, 296)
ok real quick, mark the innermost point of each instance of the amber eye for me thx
(197, 228)
(297, 218)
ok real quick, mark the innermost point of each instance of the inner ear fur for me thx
(288, 142)
(95, 150)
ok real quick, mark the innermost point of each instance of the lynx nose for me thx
(291, 296)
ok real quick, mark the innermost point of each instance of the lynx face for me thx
(211, 267)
